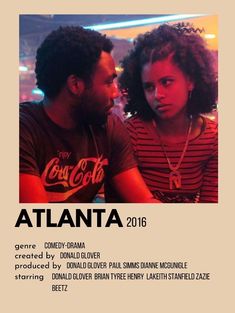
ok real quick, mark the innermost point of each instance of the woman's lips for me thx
(161, 107)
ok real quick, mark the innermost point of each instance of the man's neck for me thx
(59, 111)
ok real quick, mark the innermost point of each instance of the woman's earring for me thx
(190, 94)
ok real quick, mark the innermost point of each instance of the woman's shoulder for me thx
(210, 124)
(135, 121)
(209, 132)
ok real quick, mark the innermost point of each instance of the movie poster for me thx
(115, 257)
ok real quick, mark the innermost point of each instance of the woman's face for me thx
(166, 88)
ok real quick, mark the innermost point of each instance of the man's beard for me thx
(86, 112)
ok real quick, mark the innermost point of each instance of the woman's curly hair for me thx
(65, 51)
(189, 54)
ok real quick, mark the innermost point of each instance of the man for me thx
(69, 142)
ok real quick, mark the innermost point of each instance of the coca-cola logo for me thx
(73, 177)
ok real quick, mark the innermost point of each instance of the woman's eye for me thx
(149, 88)
(166, 82)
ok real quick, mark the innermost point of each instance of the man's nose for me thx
(115, 91)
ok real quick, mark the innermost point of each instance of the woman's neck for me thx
(175, 131)
(176, 127)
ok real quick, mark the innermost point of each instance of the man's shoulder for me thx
(113, 118)
(113, 122)
(30, 106)
(31, 116)
(116, 129)
(30, 110)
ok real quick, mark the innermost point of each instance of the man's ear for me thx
(75, 85)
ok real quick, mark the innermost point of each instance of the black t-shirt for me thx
(73, 163)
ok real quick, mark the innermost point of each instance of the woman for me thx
(170, 80)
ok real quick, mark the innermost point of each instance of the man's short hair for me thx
(66, 51)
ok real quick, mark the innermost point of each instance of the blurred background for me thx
(121, 29)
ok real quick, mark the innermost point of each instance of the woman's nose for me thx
(158, 93)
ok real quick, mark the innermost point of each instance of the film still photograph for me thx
(118, 109)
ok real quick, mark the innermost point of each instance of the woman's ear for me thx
(190, 85)
(75, 85)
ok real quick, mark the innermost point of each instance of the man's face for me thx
(98, 99)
